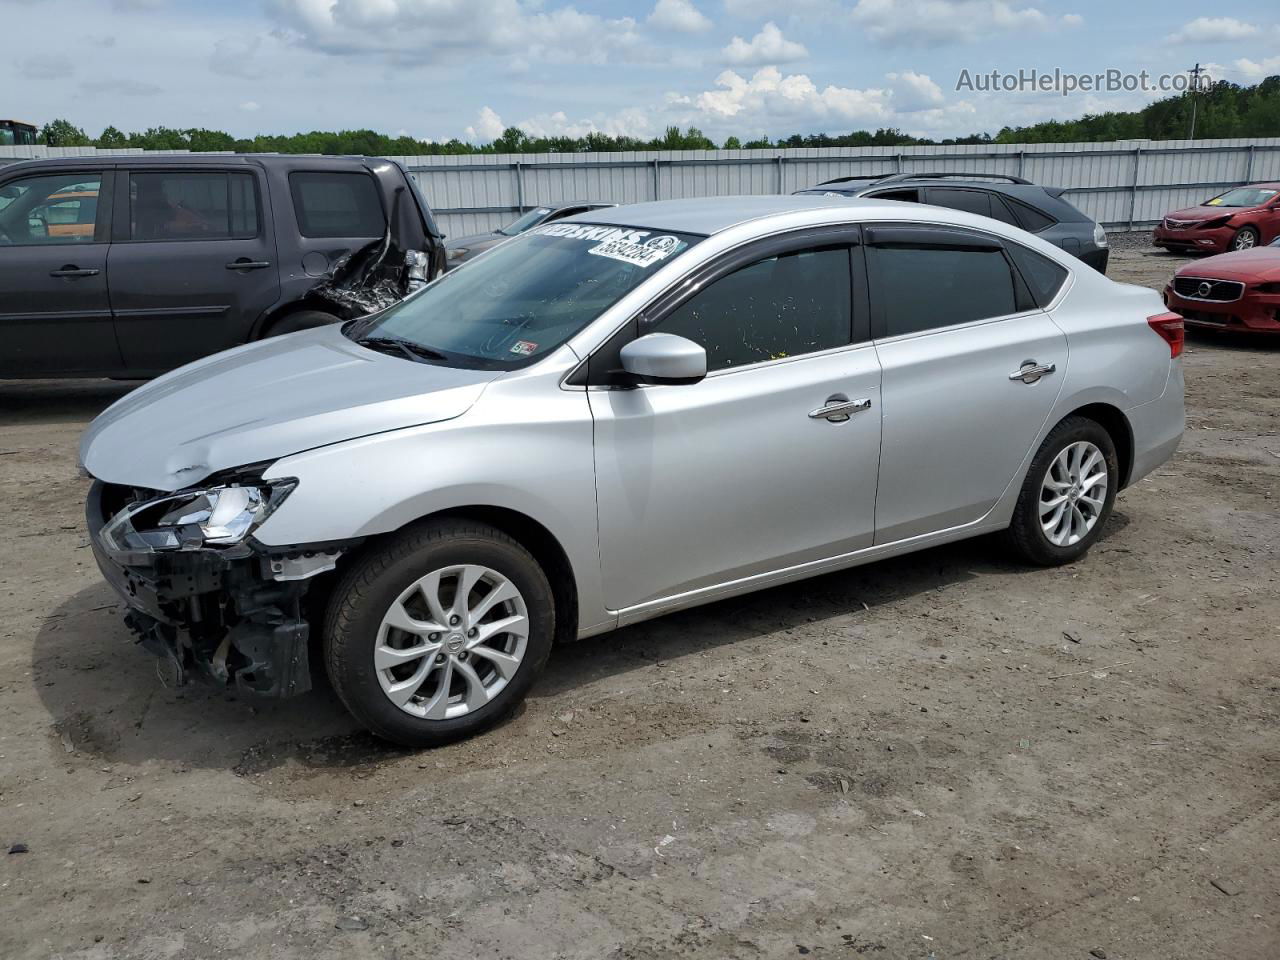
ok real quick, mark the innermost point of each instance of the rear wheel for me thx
(1246, 238)
(439, 634)
(300, 320)
(1067, 495)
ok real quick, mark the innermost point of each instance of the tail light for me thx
(1169, 327)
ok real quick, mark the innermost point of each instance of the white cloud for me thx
(238, 57)
(250, 106)
(767, 46)
(1213, 30)
(435, 31)
(1072, 20)
(1244, 69)
(488, 127)
(795, 9)
(914, 91)
(931, 23)
(769, 96)
(678, 15)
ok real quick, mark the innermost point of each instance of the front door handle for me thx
(71, 270)
(1030, 371)
(244, 263)
(838, 408)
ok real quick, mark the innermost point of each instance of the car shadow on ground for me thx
(29, 402)
(108, 701)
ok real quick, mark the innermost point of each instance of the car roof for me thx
(708, 215)
(133, 160)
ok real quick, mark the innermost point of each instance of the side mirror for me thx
(664, 358)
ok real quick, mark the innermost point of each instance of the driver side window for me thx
(52, 209)
(782, 306)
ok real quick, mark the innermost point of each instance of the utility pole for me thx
(1195, 88)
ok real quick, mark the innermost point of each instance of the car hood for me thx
(1205, 213)
(267, 400)
(485, 240)
(1261, 265)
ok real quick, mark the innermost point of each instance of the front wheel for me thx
(1246, 238)
(440, 633)
(1067, 495)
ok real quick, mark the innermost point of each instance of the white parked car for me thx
(599, 422)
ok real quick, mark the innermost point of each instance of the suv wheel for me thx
(1067, 495)
(1246, 238)
(440, 633)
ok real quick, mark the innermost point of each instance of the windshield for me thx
(530, 219)
(526, 297)
(1242, 197)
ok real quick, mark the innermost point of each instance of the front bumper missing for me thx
(232, 617)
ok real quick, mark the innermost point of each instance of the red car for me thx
(1233, 291)
(1241, 218)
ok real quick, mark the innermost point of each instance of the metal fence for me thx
(1124, 185)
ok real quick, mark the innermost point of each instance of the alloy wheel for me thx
(451, 642)
(1244, 240)
(1073, 493)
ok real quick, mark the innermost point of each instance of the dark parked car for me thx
(1013, 200)
(462, 249)
(129, 266)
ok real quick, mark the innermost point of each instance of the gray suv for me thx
(1013, 200)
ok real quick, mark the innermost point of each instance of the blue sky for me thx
(437, 69)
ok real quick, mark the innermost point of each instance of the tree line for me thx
(1221, 110)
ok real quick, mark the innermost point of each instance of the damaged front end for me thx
(202, 594)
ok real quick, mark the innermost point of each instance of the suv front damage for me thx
(202, 593)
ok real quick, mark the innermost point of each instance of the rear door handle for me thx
(838, 408)
(71, 270)
(244, 263)
(1030, 371)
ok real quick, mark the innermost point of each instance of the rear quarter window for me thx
(337, 204)
(1029, 218)
(1044, 277)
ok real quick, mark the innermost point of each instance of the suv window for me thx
(911, 195)
(782, 306)
(1044, 277)
(922, 287)
(192, 205)
(1029, 218)
(970, 201)
(337, 205)
(55, 208)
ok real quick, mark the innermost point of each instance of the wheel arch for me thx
(277, 313)
(545, 547)
(1113, 420)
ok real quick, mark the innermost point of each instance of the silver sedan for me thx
(612, 417)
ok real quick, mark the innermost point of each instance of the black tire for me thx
(299, 320)
(364, 594)
(1025, 536)
(1246, 238)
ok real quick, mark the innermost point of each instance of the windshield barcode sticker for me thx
(643, 254)
(617, 243)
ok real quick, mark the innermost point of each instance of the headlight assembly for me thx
(219, 517)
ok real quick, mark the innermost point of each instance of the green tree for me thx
(111, 139)
(733, 143)
(63, 133)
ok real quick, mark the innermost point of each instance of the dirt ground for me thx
(908, 760)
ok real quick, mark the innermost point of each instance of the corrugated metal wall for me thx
(1124, 185)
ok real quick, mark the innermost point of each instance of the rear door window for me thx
(970, 201)
(920, 282)
(781, 306)
(337, 204)
(192, 205)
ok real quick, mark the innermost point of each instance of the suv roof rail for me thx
(960, 174)
(861, 176)
(943, 175)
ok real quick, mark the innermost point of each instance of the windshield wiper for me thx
(414, 351)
